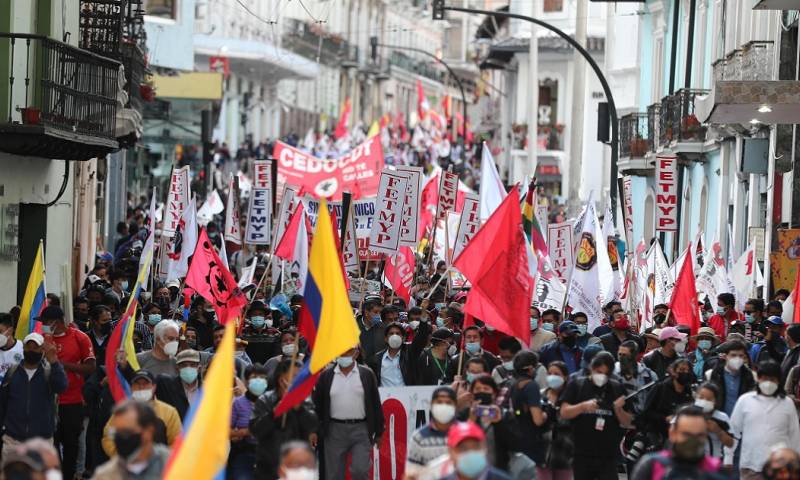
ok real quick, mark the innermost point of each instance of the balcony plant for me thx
(638, 146)
(691, 128)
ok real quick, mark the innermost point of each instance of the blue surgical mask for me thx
(509, 366)
(704, 344)
(188, 374)
(472, 347)
(470, 377)
(154, 319)
(548, 326)
(439, 322)
(555, 381)
(376, 319)
(124, 285)
(748, 317)
(720, 310)
(47, 330)
(472, 463)
(534, 323)
(257, 386)
(582, 328)
(344, 362)
(258, 321)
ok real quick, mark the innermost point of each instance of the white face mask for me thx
(395, 341)
(768, 387)
(288, 350)
(599, 379)
(443, 412)
(734, 363)
(680, 347)
(3, 340)
(142, 395)
(451, 350)
(171, 348)
(301, 473)
(413, 324)
(53, 474)
(706, 405)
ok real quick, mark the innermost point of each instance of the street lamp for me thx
(439, 8)
(373, 41)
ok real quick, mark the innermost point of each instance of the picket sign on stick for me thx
(575, 255)
(435, 285)
(363, 279)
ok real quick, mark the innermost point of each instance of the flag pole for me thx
(447, 256)
(435, 285)
(363, 283)
(292, 371)
(269, 266)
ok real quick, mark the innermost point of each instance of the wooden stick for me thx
(291, 370)
(363, 284)
(430, 292)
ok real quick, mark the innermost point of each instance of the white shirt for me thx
(9, 358)
(391, 375)
(761, 422)
(347, 395)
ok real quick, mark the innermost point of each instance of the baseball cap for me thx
(442, 334)
(34, 337)
(143, 374)
(188, 356)
(670, 332)
(568, 326)
(53, 312)
(463, 431)
(776, 320)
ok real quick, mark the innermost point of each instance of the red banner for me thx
(357, 172)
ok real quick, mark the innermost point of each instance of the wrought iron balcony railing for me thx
(678, 121)
(653, 125)
(633, 135)
(422, 67)
(51, 84)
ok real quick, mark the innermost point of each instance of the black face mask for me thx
(105, 328)
(690, 450)
(80, 317)
(483, 398)
(569, 341)
(627, 364)
(685, 378)
(32, 357)
(127, 443)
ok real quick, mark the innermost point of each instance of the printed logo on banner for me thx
(363, 213)
(177, 199)
(410, 222)
(613, 254)
(587, 252)
(385, 234)
(448, 191)
(666, 194)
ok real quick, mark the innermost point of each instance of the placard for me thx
(448, 191)
(666, 193)
(385, 234)
(627, 207)
(177, 199)
(561, 248)
(468, 224)
(409, 228)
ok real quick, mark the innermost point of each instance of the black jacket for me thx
(409, 355)
(272, 432)
(611, 342)
(663, 401)
(747, 383)
(170, 390)
(28, 406)
(657, 362)
(372, 401)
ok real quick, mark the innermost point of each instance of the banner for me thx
(785, 259)
(384, 236)
(666, 193)
(627, 209)
(541, 217)
(549, 291)
(363, 214)
(357, 172)
(233, 226)
(409, 228)
(259, 212)
(469, 222)
(561, 247)
(177, 200)
(350, 257)
(399, 273)
(448, 190)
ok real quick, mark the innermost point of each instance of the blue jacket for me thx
(556, 350)
(28, 407)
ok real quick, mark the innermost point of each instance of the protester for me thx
(262, 338)
(161, 359)
(564, 349)
(540, 336)
(673, 344)
(667, 396)
(792, 357)
(297, 461)
(773, 347)
(551, 319)
(763, 419)
(35, 458)
(620, 332)
(100, 327)
(350, 416)
(473, 348)
(180, 390)
(434, 362)
(703, 358)
(242, 457)
(289, 347)
(466, 443)
(584, 337)
(725, 314)
(556, 434)
(527, 405)
(395, 366)
(720, 438)
(429, 441)
(753, 317)
(635, 376)
(783, 463)
(731, 376)
(508, 347)
(10, 349)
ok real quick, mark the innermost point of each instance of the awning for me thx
(256, 58)
(776, 5)
(189, 85)
(743, 102)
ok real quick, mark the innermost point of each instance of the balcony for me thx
(303, 38)
(550, 137)
(633, 135)
(425, 68)
(56, 100)
(653, 124)
(679, 127)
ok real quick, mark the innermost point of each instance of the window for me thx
(161, 8)
(553, 6)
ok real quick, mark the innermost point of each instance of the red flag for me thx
(344, 118)
(399, 272)
(285, 247)
(209, 277)
(502, 287)
(429, 198)
(795, 295)
(446, 107)
(683, 304)
(422, 102)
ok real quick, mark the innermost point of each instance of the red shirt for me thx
(491, 341)
(721, 324)
(73, 347)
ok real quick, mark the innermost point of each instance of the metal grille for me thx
(678, 121)
(633, 135)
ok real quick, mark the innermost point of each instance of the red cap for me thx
(462, 431)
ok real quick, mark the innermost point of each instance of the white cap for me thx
(37, 338)
(93, 279)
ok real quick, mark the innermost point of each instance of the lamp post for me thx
(374, 44)
(439, 8)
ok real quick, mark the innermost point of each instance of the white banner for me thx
(666, 193)
(259, 212)
(350, 258)
(363, 214)
(549, 291)
(409, 228)
(233, 227)
(177, 200)
(448, 191)
(385, 234)
(561, 248)
(469, 223)
(627, 210)
(541, 217)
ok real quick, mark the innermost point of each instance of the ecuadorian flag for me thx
(35, 296)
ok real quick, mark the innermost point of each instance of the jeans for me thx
(241, 465)
(68, 433)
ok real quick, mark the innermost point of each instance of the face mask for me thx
(439, 322)
(706, 405)
(47, 330)
(3, 340)
(599, 379)
(32, 357)
(555, 381)
(583, 328)
(258, 322)
(171, 349)
(680, 347)
(301, 473)
(395, 341)
(509, 366)
(621, 324)
(768, 387)
(53, 474)
(376, 319)
(734, 363)
(470, 377)
(142, 395)
(685, 378)
(124, 285)
(443, 412)
(547, 326)
(257, 386)
(127, 443)
(569, 341)
(80, 317)
(452, 350)
(690, 450)
(154, 319)
(188, 375)
(413, 324)
(105, 329)
(484, 398)
(344, 362)
(471, 464)
(472, 347)
(720, 310)
(748, 317)
(288, 350)
(626, 362)
(534, 324)
(704, 344)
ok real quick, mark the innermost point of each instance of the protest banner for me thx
(666, 193)
(385, 234)
(233, 227)
(468, 224)
(627, 207)
(448, 190)
(350, 257)
(549, 291)
(259, 213)
(363, 213)
(541, 217)
(357, 172)
(409, 232)
(561, 248)
(177, 200)
(399, 273)
(365, 253)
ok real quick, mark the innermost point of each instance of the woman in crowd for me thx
(556, 434)
(667, 396)
(720, 440)
(242, 457)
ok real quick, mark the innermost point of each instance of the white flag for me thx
(151, 239)
(548, 290)
(713, 278)
(613, 254)
(212, 206)
(492, 191)
(248, 273)
(592, 281)
(183, 243)
(745, 276)
(233, 227)
(298, 270)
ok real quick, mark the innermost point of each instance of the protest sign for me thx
(666, 193)
(385, 234)
(259, 212)
(409, 232)
(627, 207)
(233, 227)
(561, 248)
(468, 224)
(350, 257)
(448, 191)
(357, 172)
(177, 200)
(363, 214)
